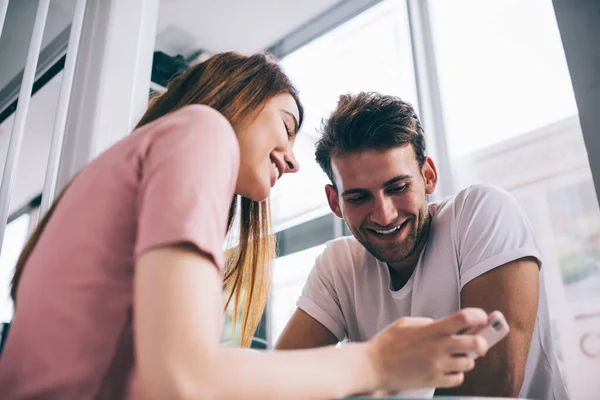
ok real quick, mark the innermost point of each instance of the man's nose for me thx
(384, 211)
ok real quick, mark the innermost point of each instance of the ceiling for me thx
(246, 26)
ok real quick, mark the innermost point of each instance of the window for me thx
(14, 240)
(502, 70)
(511, 120)
(289, 275)
(370, 52)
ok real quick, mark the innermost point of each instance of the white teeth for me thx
(277, 173)
(393, 230)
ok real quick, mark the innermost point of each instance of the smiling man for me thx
(412, 257)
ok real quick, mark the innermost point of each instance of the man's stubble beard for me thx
(412, 242)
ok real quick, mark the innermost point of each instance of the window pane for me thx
(511, 120)
(502, 69)
(370, 52)
(289, 275)
(14, 240)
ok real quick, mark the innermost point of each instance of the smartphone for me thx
(496, 330)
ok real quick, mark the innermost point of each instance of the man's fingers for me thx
(460, 321)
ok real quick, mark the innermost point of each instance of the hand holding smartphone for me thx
(495, 330)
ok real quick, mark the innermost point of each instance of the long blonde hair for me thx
(238, 87)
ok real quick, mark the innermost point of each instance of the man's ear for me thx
(430, 175)
(333, 200)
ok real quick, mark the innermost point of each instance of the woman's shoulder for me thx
(201, 123)
(203, 115)
(194, 132)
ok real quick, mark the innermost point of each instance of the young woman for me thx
(118, 292)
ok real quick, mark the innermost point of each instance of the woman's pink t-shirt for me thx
(169, 182)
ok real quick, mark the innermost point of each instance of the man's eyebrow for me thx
(293, 118)
(399, 178)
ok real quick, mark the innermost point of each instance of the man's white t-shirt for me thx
(349, 291)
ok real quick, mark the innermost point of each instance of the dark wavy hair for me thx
(369, 121)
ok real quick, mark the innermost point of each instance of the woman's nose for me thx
(291, 164)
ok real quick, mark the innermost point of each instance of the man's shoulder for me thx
(482, 190)
(345, 252)
(487, 210)
(475, 197)
(344, 246)
(473, 206)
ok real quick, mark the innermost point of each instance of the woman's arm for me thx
(178, 307)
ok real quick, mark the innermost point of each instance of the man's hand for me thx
(513, 289)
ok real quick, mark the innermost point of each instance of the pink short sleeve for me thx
(188, 177)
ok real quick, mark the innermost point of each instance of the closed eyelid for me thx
(358, 199)
(355, 195)
(294, 121)
(290, 132)
(399, 187)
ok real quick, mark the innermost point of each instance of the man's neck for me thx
(401, 271)
(399, 278)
